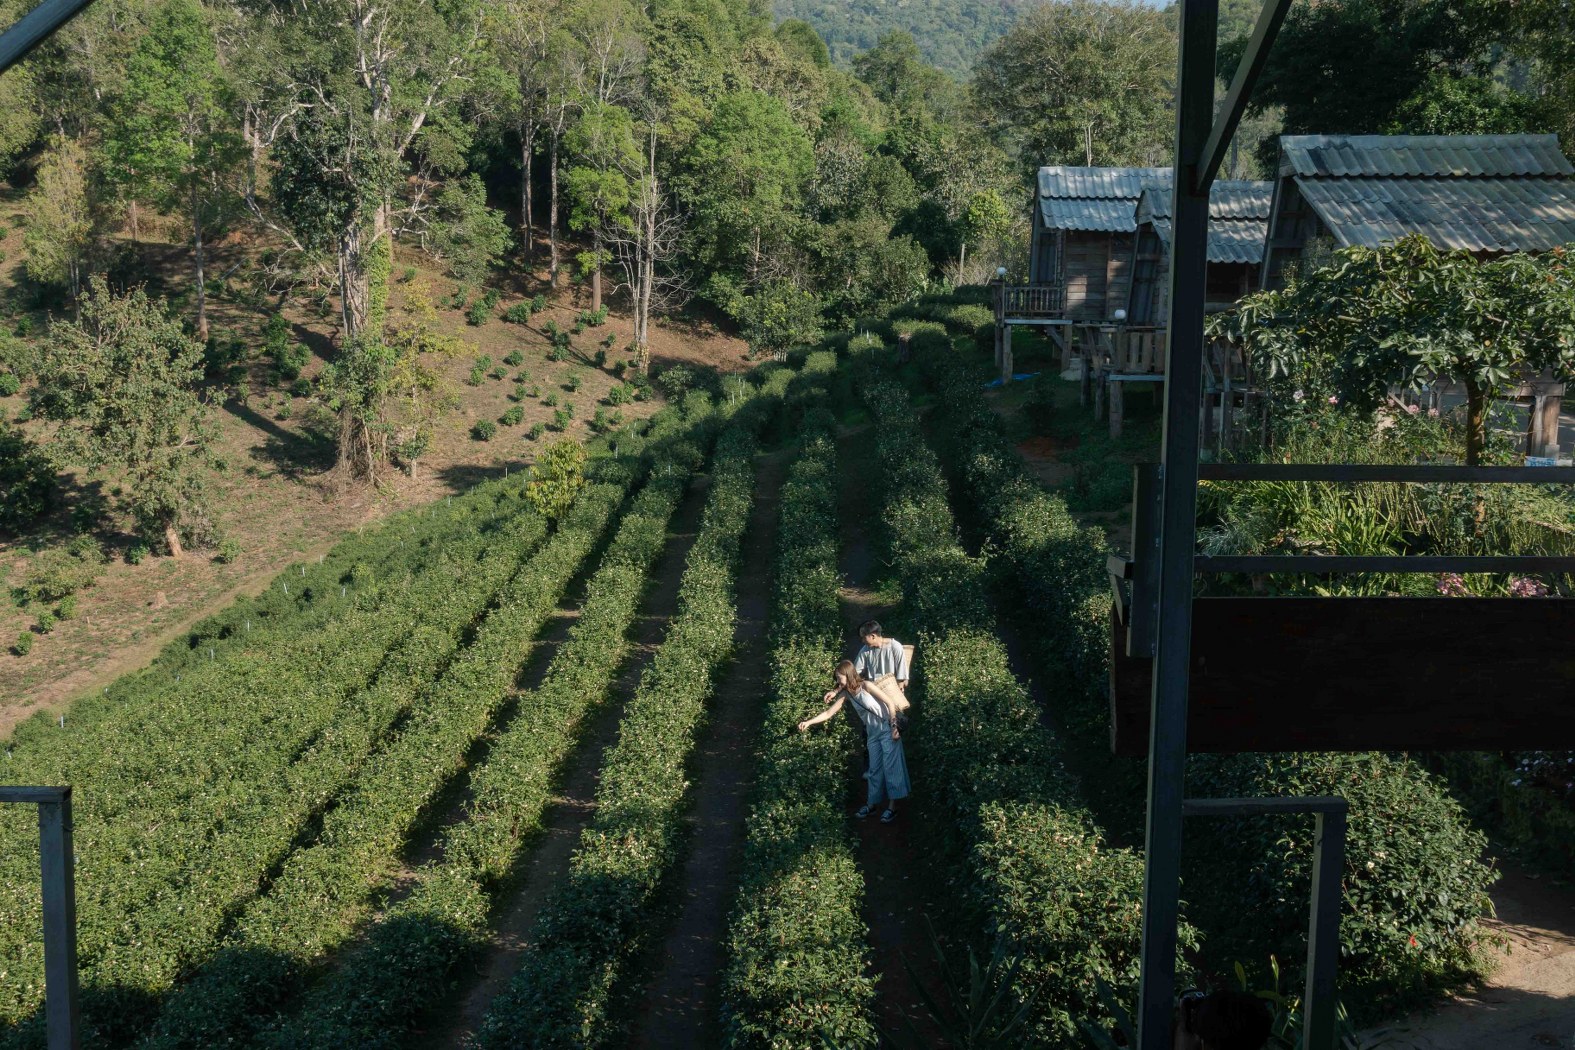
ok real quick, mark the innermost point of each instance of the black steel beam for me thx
(35, 27)
(1268, 27)
(34, 794)
(1428, 563)
(1167, 754)
(1366, 472)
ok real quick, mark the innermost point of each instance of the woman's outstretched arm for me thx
(826, 715)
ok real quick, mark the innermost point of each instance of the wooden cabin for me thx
(1487, 194)
(1238, 228)
(1083, 226)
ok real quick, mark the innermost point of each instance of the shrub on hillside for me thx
(27, 482)
(514, 359)
(23, 644)
(9, 384)
(513, 417)
(60, 571)
(518, 313)
(484, 430)
(675, 380)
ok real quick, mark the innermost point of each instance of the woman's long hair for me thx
(848, 677)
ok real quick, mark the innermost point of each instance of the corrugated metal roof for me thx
(1475, 214)
(1424, 155)
(1230, 240)
(1059, 181)
(1228, 199)
(1101, 215)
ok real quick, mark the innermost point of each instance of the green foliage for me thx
(229, 551)
(512, 417)
(478, 314)
(137, 553)
(518, 313)
(67, 609)
(556, 478)
(620, 394)
(288, 357)
(56, 572)
(65, 220)
(1082, 83)
(484, 430)
(595, 920)
(466, 236)
(515, 358)
(28, 485)
(46, 622)
(536, 431)
(948, 33)
(561, 420)
(592, 318)
(675, 380)
(398, 970)
(23, 644)
(122, 385)
(9, 384)
(1411, 314)
(798, 966)
(572, 384)
(476, 375)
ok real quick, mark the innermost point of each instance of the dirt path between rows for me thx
(901, 878)
(1528, 1003)
(546, 861)
(679, 1007)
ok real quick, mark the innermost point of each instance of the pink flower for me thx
(1450, 585)
(1413, 409)
(1333, 400)
(1525, 587)
(1432, 413)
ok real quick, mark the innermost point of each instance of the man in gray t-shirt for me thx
(881, 656)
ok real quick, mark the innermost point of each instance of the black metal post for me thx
(60, 909)
(35, 27)
(1179, 481)
(1320, 1018)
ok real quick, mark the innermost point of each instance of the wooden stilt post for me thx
(1006, 357)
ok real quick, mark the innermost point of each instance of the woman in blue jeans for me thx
(888, 768)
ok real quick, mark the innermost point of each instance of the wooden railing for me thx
(1029, 300)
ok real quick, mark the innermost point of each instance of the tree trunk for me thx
(172, 540)
(552, 209)
(1476, 422)
(200, 261)
(136, 228)
(596, 274)
(527, 151)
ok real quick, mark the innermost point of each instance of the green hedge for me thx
(1033, 864)
(798, 968)
(1524, 819)
(323, 891)
(599, 916)
(404, 964)
(205, 771)
(1246, 880)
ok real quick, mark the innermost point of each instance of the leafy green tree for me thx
(170, 136)
(1081, 82)
(746, 175)
(556, 478)
(601, 179)
(1410, 314)
(64, 218)
(1370, 66)
(123, 385)
(468, 237)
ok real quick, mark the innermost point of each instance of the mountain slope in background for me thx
(950, 33)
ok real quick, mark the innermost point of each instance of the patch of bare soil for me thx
(546, 862)
(1528, 1003)
(679, 1008)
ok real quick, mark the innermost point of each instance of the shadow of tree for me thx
(294, 454)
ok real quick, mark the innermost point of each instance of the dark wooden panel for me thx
(1363, 674)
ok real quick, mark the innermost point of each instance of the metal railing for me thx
(60, 908)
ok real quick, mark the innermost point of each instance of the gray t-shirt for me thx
(888, 658)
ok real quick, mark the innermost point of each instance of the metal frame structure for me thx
(35, 27)
(57, 864)
(1163, 573)
(1321, 1016)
